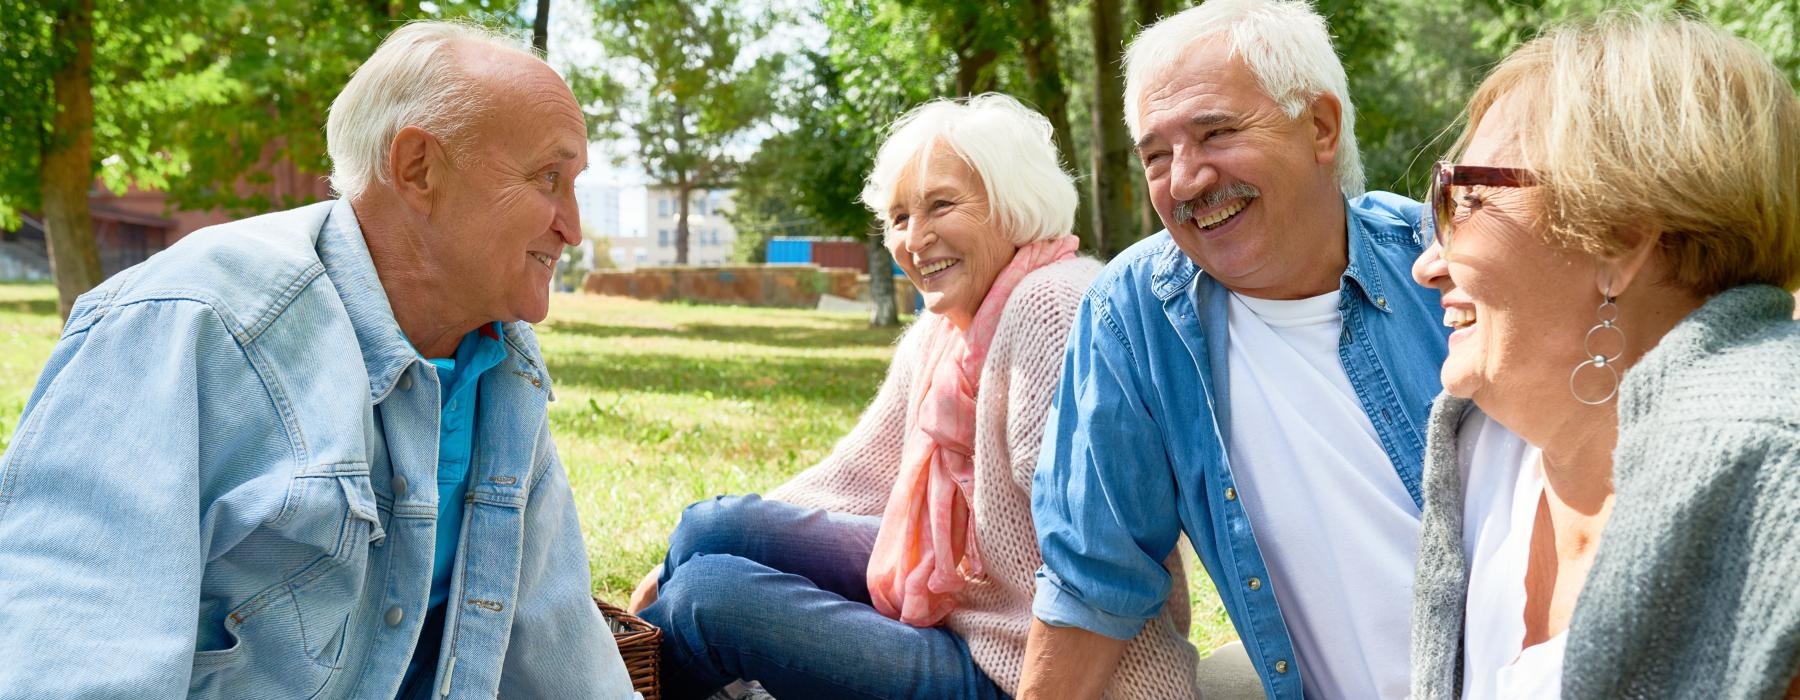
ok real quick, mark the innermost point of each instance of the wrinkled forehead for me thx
(1210, 65)
(529, 105)
(1496, 137)
(937, 165)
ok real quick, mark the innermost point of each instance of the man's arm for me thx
(560, 645)
(1067, 662)
(102, 541)
(1103, 503)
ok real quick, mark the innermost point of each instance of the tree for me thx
(189, 97)
(1043, 72)
(1115, 199)
(540, 28)
(696, 91)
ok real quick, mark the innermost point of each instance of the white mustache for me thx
(1184, 211)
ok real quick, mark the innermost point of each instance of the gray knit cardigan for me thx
(1695, 591)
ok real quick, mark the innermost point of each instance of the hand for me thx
(645, 594)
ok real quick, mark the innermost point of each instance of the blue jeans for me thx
(772, 592)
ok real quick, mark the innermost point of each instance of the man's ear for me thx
(1328, 127)
(1624, 268)
(416, 167)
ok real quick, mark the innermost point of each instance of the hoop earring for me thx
(1607, 314)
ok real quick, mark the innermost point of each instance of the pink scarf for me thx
(925, 551)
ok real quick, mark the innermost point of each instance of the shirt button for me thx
(1381, 302)
(1281, 666)
(394, 615)
(399, 484)
(1230, 494)
(1254, 583)
(405, 381)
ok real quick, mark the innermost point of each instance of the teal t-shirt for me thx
(458, 384)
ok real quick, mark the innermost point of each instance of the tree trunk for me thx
(682, 189)
(973, 76)
(886, 313)
(1115, 202)
(66, 165)
(1148, 12)
(540, 29)
(1043, 68)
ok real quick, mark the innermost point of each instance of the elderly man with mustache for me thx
(1257, 376)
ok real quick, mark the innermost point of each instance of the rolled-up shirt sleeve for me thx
(1103, 497)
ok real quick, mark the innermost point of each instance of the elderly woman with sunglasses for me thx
(901, 566)
(1613, 475)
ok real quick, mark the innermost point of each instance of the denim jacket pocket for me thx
(264, 653)
(290, 636)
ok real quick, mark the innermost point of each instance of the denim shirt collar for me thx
(1173, 271)
(386, 352)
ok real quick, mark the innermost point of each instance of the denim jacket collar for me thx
(386, 352)
(1173, 271)
(385, 349)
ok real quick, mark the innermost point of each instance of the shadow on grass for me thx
(849, 382)
(32, 307)
(770, 336)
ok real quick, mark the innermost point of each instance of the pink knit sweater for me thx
(1023, 366)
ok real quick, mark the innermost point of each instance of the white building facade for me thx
(710, 235)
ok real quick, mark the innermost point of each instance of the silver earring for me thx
(1607, 314)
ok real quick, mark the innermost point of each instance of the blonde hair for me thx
(1284, 43)
(1634, 118)
(413, 79)
(1007, 144)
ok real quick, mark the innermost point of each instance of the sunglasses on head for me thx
(1445, 177)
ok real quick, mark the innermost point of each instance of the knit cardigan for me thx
(1017, 383)
(1695, 590)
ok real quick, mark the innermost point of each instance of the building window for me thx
(662, 206)
(662, 238)
(641, 254)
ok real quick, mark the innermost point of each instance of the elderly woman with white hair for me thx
(901, 565)
(1612, 483)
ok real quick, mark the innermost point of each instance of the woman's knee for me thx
(703, 595)
(721, 525)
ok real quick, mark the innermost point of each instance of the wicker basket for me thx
(640, 646)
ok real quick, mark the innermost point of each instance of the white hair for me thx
(1285, 44)
(413, 79)
(1009, 146)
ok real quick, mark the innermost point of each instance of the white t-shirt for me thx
(1335, 524)
(1504, 482)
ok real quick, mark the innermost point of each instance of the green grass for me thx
(657, 406)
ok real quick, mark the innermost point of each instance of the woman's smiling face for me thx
(1521, 306)
(943, 234)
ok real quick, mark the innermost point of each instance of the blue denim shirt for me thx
(222, 486)
(1135, 453)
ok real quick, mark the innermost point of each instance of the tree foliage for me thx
(189, 97)
(682, 87)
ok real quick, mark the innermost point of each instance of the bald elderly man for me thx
(306, 455)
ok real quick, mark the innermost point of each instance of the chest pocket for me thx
(303, 577)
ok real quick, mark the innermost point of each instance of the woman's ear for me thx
(1619, 271)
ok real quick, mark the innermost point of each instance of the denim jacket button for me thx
(1281, 666)
(394, 615)
(1230, 494)
(405, 381)
(399, 485)
(1254, 583)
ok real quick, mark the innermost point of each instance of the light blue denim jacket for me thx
(1134, 451)
(223, 485)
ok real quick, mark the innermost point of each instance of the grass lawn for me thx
(657, 406)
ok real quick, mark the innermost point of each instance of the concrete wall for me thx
(792, 286)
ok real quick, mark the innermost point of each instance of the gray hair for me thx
(1285, 44)
(1009, 146)
(412, 79)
